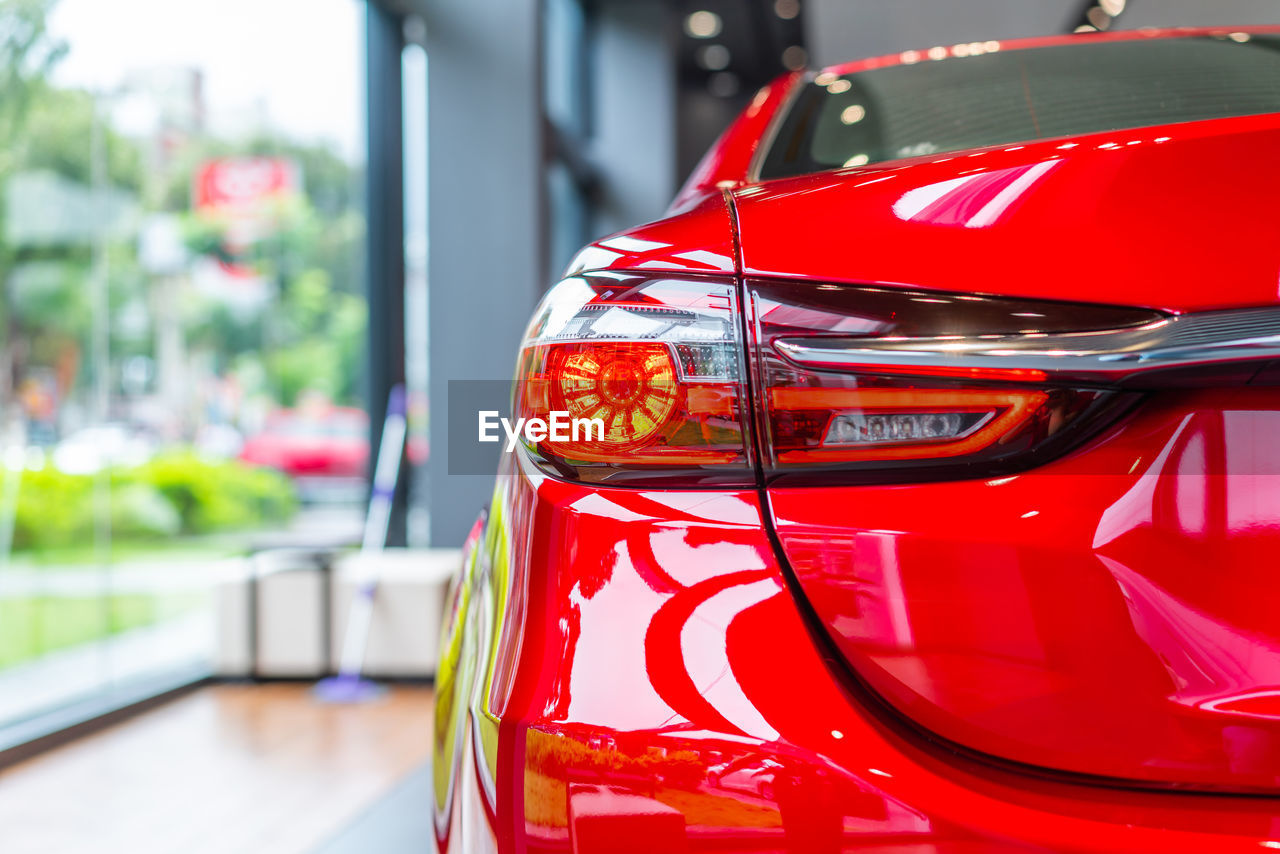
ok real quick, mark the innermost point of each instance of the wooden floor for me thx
(259, 768)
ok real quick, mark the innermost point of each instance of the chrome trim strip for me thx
(1180, 342)
(969, 431)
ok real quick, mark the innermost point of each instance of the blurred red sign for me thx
(245, 193)
(244, 184)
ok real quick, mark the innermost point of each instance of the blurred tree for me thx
(27, 53)
(46, 301)
(311, 337)
(309, 334)
(60, 123)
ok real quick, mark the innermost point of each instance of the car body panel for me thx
(668, 693)
(1112, 613)
(698, 240)
(1177, 218)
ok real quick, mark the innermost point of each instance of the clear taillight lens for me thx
(650, 370)
(894, 418)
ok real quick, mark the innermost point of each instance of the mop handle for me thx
(376, 523)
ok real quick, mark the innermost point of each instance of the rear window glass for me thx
(1022, 95)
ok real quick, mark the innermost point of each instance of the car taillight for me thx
(645, 376)
(840, 388)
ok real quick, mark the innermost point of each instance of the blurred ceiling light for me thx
(1085, 28)
(826, 78)
(795, 57)
(937, 53)
(1112, 7)
(723, 84)
(703, 25)
(1098, 17)
(786, 9)
(1238, 37)
(853, 114)
(838, 87)
(714, 57)
(857, 160)
(909, 57)
(960, 49)
(991, 47)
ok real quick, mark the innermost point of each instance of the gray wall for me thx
(487, 219)
(485, 261)
(634, 112)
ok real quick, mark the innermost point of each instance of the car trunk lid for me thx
(1108, 612)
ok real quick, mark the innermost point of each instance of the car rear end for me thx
(935, 506)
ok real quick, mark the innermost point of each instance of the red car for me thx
(314, 444)
(936, 503)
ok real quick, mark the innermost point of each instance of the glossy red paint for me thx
(1066, 659)
(1112, 613)
(667, 689)
(1177, 217)
(698, 240)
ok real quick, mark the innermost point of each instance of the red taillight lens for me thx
(642, 379)
(886, 420)
(645, 377)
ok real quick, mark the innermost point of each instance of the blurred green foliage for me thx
(306, 336)
(172, 494)
(310, 336)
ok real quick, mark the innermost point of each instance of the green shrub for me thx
(141, 512)
(217, 495)
(175, 493)
(53, 508)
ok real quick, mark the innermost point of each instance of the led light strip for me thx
(1111, 356)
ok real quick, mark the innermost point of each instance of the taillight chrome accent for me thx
(1159, 350)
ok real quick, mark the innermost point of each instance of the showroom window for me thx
(182, 322)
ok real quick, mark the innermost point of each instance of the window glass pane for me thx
(182, 321)
(564, 71)
(1020, 95)
(414, 76)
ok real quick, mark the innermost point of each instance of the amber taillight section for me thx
(905, 420)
